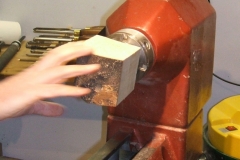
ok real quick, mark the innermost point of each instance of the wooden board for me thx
(15, 66)
(116, 79)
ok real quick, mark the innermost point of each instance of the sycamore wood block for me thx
(116, 79)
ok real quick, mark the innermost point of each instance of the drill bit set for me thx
(54, 37)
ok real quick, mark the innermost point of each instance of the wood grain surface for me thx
(117, 77)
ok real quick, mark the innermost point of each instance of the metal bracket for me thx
(118, 147)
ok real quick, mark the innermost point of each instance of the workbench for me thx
(15, 65)
(21, 61)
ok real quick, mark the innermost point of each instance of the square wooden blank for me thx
(116, 79)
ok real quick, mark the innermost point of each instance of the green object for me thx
(210, 151)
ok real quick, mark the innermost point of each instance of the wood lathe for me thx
(161, 85)
(161, 119)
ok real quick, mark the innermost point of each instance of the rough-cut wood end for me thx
(116, 79)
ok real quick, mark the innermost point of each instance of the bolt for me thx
(125, 37)
(202, 157)
(143, 68)
(146, 44)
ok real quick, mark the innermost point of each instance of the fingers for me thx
(57, 90)
(63, 54)
(42, 80)
(46, 109)
(57, 74)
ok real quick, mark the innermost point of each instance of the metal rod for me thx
(10, 52)
(27, 60)
(35, 45)
(54, 30)
(35, 54)
(52, 39)
(39, 51)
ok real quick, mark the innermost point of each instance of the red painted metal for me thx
(171, 140)
(174, 28)
(169, 98)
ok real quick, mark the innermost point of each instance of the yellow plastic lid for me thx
(224, 126)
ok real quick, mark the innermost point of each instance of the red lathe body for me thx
(165, 109)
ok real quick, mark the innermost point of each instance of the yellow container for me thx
(224, 126)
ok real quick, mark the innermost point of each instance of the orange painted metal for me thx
(172, 94)
(166, 140)
(182, 34)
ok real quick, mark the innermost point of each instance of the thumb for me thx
(44, 108)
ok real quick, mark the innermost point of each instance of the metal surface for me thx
(111, 150)
(68, 35)
(179, 83)
(153, 149)
(136, 38)
(68, 39)
(168, 100)
(158, 141)
(10, 52)
(35, 45)
(40, 51)
(67, 31)
(27, 60)
(59, 36)
(35, 54)
(57, 31)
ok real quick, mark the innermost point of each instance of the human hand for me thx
(22, 94)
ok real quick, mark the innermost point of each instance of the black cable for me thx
(236, 84)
